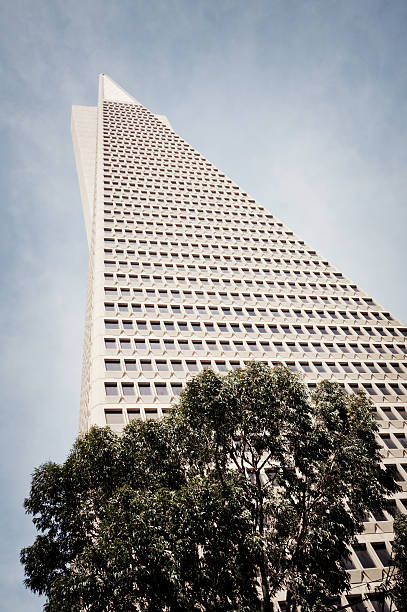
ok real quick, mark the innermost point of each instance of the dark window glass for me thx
(388, 441)
(379, 515)
(381, 551)
(394, 472)
(402, 440)
(363, 556)
(348, 563)
(376, 599)
(356, 604)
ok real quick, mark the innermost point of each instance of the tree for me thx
(250, 486)
(124, 526)
(312, 466)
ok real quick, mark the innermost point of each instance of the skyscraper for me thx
(187, 271)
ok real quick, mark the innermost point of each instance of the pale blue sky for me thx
(302, 103)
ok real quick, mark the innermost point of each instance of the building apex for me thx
(110, 90)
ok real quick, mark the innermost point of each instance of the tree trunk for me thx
(266, 605)
(291, 604)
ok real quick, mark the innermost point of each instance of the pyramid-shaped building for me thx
(187, 271)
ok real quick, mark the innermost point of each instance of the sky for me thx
(301, 102)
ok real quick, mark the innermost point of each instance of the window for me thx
(388, 441)
(391, 508)
(176, 388)
(396, 389)
(402, 440)
(379, 515)
(355, 602)
(378, 603)
(381, 551)
(155, 345)
(389, 414)
(162, 366)
(348, 563)
(111, 389)
(363, 556)
(383, 389)
(112, 365)
(128, 389)
(146, 365)
(114, 417)
(369, 388)
(130, 365)
(221, 366)
(145, 390)
(111, 324)
(192, 366)
(161, 389)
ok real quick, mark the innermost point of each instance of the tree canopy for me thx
(251, 486)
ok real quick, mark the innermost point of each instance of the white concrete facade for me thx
(187, 271)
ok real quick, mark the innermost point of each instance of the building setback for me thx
(187, 271)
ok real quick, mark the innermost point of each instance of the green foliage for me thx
(248, 487)
(326, 470)
(124, 526)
